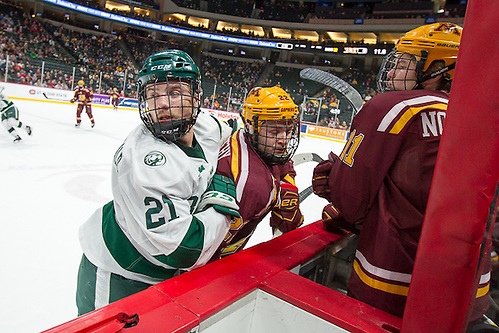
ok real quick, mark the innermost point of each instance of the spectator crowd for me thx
(46, 53)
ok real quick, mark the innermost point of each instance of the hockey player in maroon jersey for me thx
(84, 98)
(115, 98)
(381, 180)
(257, 159)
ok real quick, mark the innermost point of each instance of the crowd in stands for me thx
(108, 61)
(302, 11)
(241, 8)
(288, 11)
(27, 43)
(234, 77)
(141, 47)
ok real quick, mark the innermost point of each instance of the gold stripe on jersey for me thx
(396, 289)
(234, 163)
(289, 179)
(482, 291)
(411, 112)
(377, 284)
(416, 102)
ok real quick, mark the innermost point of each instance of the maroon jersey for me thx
(257, 189)
(382, 180)
(83, 96)
(115, 98)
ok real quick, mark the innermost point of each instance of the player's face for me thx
(403, 75)
(275, 135)
(171, 100)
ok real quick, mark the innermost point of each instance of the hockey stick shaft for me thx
(306, 193)
(55, 99)
(303, 158)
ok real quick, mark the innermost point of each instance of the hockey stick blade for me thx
(55, 99)
(306, 157)
(330, 80)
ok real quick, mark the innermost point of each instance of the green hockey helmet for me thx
(168, 69)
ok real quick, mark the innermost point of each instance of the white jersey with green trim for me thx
(149, 231)
(4, 104)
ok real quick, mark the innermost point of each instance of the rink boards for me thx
(271, 287)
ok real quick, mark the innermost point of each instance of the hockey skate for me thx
(28, 130)
(17, 139)
(77, 125)
(93, 124)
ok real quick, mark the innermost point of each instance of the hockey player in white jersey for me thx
(166, 213)
(10, 117)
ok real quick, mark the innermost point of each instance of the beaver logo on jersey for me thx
(155, 158)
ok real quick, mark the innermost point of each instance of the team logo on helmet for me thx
(155, 158)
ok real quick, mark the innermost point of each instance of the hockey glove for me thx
(320, 179)
(220, 194)
(333, 221)
(72, 100)
(287, 215)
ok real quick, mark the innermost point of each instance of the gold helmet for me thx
(81, 83)
(428, 43)
(267, 108)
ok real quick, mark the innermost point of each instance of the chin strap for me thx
(436, 73)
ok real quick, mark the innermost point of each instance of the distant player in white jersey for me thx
(10, 117)
(165, 216)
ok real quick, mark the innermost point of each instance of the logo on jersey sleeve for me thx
(155, 158)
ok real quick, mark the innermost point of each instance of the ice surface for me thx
(51, 182)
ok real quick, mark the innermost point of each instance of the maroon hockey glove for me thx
(320, 179)
(333, 221)
(287, 215)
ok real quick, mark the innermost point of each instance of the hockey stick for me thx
(306, 193)
(306, 157)
(55, 99)
(303, 158)
(330, 80)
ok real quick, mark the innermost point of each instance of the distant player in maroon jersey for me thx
(381, 179)
(257, 159)
(115, 98)
(84, 98)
